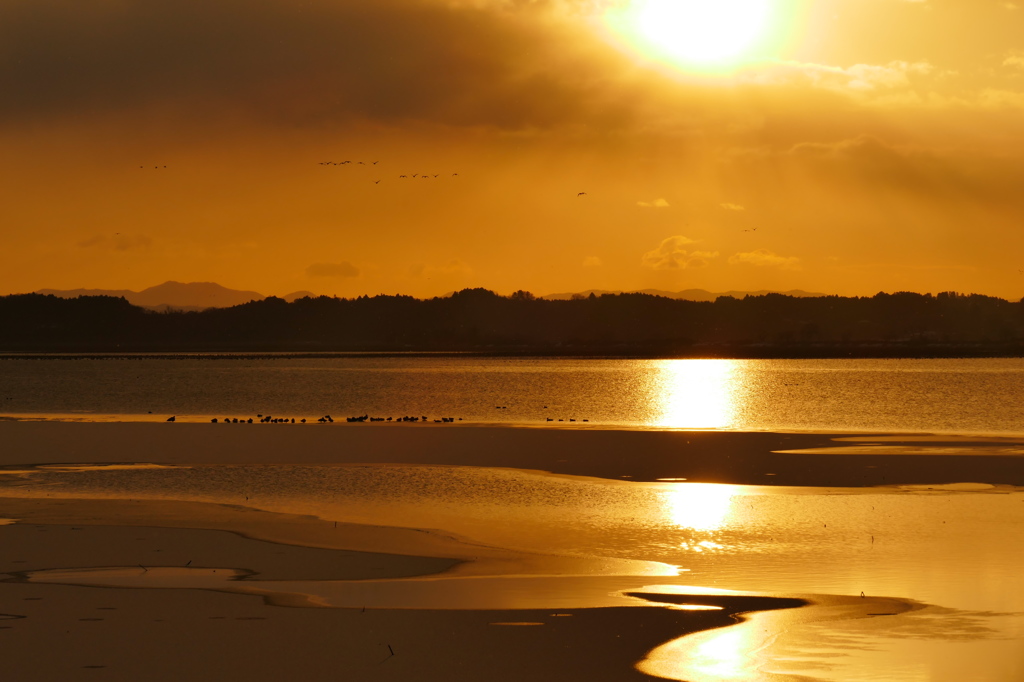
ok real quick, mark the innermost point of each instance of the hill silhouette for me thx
(170, 295)
(902, 324)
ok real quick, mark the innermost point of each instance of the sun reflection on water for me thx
(699, 506)
(738, 653)
(695, 394)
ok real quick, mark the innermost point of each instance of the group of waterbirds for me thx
(326, 419)
(368, 418)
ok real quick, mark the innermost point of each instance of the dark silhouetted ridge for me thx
(477, 320)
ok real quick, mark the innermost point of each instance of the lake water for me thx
(955, 549)
(977, 396)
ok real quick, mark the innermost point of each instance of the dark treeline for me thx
(774, 325)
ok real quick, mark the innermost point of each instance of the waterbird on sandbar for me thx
(170, 419)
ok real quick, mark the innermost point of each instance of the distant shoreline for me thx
(866, 352)
(478, 321)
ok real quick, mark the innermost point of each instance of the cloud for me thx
(342, 270)
(858, 79)
(766, 259)
(670, 255)
(657, 203)
(592, 262)
(1015, 59)
(733, 207)
(117, 242)
(518, 65)
(865, 147)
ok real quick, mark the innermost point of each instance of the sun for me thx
(708, 34)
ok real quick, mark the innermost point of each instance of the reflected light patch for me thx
(699, 506)
(733, 653)
(695, 394)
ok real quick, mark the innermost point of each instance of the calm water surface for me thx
(957, 550)
(931, 395)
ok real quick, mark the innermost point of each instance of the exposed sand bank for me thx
(800, 459)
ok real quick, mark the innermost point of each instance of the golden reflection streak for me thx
(699, 506)
(695, 394)
(722, 654)
(738, 653)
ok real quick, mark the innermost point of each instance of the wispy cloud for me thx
(670, 255)
(657, 203)
(765, 259)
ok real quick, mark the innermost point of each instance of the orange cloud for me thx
(764, 258)
(670, 255)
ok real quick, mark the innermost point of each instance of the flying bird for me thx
(579, 194)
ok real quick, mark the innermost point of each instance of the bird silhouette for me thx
(579, 194)
(376, 182)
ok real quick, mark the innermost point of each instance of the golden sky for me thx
(839, 146)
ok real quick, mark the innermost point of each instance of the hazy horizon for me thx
(552, 294)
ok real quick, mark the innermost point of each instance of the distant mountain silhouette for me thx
(296, 295)
(170, 295)
(685, 294)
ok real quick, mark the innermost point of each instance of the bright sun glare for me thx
(700, 33)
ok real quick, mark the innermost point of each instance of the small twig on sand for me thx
(144, 569)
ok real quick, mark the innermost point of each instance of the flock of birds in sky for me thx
(410, 176)
(423, 176)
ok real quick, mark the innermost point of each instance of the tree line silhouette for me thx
(901, 324)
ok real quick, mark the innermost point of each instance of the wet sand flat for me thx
(317, 552)
(752, 458)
